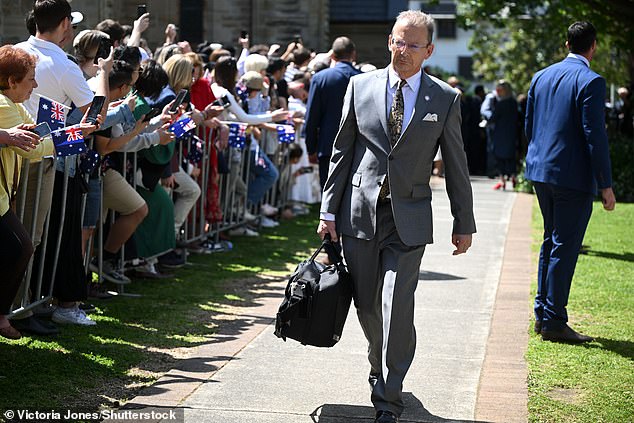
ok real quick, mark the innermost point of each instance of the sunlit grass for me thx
(592, 382)
(136, 340)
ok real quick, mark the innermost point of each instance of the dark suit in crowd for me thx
(567, 160)
(323, 110)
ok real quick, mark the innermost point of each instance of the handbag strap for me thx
(329, 246)
(13, 192)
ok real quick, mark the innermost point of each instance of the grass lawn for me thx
(136, 340)
(592, 382)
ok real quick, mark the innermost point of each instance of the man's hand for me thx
(608, 199)
(327, 227)
(313, 158)
(20, 136)
(462, 243)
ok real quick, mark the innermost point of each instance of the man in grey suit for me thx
(393, 122)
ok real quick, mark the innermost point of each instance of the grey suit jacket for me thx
(362, 156)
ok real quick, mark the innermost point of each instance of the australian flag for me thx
(51, 112)
(285, 134)
(182, 126)
(195, 153)
(237, 134)
(88, 161)
(68, 141)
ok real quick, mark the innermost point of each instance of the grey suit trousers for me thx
(385, 275)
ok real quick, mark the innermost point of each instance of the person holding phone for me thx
(17, 81)
(203, 99)
(59, 79)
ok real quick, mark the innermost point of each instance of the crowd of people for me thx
(234, 170)
(117, 207)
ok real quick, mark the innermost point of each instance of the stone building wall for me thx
(268, 21)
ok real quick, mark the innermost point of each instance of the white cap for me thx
(76, 17)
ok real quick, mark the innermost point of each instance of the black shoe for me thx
(383, 416)
(172, 260)
(35, 326)
(538, 327)
(567, 334)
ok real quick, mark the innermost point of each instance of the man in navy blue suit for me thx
(325, 101)
(567, 160)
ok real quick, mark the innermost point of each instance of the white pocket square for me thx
(431, 117)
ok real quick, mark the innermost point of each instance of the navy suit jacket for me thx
(325, 101)
(565, 127)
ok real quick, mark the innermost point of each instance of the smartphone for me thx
(307, 169)
(141, 10)
(103, 50)
(244, 34)
(222, 101)
(178, 101)
(297, 38)
(95, 109)
(152, 114)
(42, 129)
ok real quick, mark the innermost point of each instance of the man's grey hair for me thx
(419, 19)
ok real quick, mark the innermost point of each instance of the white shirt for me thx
(410, 93)
(580, 57)
(58, 77)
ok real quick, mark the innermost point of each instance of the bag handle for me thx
(329, 246)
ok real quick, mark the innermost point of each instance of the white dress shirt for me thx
(580, 57)
(58, 78)
(410, 93)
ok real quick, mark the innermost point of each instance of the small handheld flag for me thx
(68, 141)
(182, 126)
(195, 153)
(51, 112)
(88, 161)
(286, 134)
(237, 134)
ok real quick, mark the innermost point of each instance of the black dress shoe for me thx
(538, 326)
(35, 326)
(567, 334)
(383, 416)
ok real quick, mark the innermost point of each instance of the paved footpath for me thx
(472, 317)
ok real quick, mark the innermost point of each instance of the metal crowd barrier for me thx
(196, 227)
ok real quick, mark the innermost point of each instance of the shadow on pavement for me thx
(435, 276)
(415, 412)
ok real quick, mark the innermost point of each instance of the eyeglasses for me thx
(400, 44)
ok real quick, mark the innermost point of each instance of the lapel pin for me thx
(426, 98)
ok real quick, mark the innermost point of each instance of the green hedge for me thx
(622, 156)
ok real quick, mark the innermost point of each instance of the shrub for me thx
(622, 157)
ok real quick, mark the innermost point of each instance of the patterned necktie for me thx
(395, 125)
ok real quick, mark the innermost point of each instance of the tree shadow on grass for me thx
(625, 256)
(623, 348)
(137, 340)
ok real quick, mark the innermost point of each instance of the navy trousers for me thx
(566, 214)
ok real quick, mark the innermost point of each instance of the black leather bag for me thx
(317, 300)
